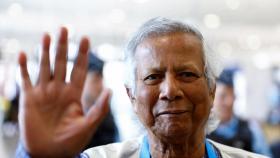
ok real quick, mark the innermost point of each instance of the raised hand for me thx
(51, 119)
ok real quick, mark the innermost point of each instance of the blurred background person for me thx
(274, 97)
(107, 131)
(11, 112)
(233, 130)
(9, 102)
(274, 115)
(275, 149)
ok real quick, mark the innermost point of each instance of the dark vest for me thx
(106, 132)
(242, 138)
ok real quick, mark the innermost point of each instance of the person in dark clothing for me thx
(234, 131)
(275, 148)
(107, 131)
(11, 114)
(242, 138)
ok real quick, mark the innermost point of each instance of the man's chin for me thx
(174, 134)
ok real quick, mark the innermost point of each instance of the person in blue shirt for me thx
(232, 130)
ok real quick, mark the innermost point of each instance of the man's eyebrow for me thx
(187, 66)
(156, 69)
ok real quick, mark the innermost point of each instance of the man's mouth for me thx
(173, 112)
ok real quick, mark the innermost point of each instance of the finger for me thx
(45, 74)
(61, 56)
(26, 83)
(79, 72)
(99, 110)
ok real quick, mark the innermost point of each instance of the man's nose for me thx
(170, 89)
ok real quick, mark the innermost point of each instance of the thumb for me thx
(99, 110)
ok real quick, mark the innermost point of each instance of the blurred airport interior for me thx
(245, 33)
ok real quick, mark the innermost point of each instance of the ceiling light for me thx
(212, 21)
(233, 4)
(15, 9)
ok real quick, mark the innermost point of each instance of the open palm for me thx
(52, 123)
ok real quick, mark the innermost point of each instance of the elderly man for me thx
(171, 85)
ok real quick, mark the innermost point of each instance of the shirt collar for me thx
(145, 149)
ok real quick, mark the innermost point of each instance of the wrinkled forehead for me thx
(176, 48)
(183, 40)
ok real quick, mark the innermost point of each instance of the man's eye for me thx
(188, 76)
(152, 77)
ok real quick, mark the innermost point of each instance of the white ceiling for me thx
(233, 27)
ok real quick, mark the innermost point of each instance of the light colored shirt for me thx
(132, 148)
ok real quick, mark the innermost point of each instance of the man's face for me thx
(92, 89)
(172, 98)
(223, 103)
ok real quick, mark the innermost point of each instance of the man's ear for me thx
(212, 93)
(131, 97)
(129, 93)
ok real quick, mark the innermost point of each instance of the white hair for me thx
(157, 27)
